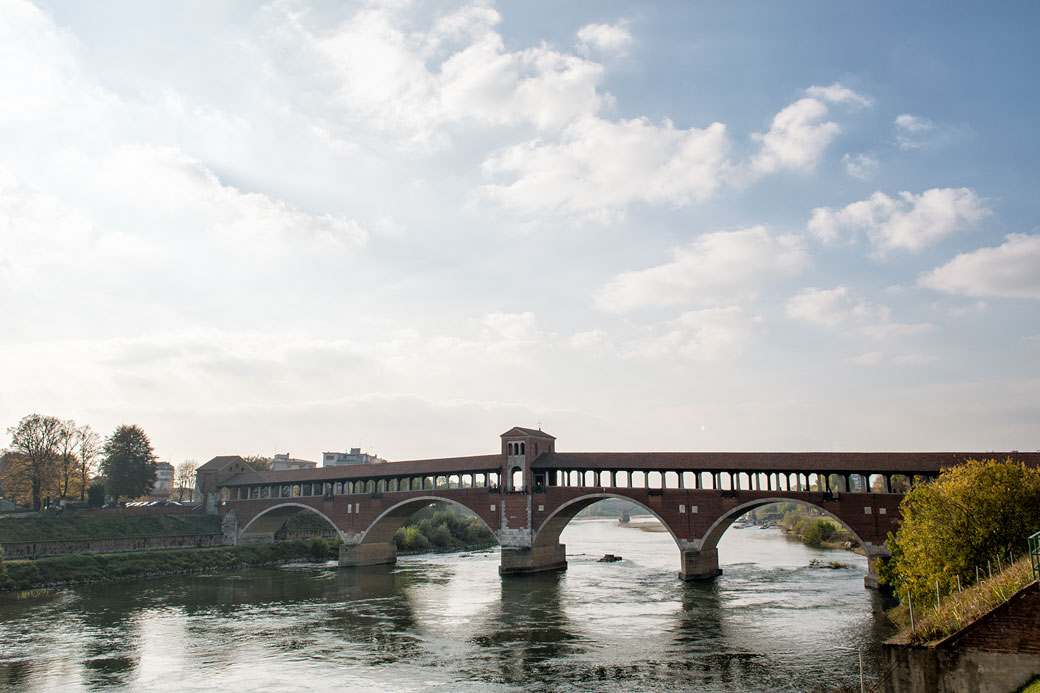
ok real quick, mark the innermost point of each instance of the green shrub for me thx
(319, 549)
(817, 533)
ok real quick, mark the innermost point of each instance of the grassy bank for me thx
(961, 608)
(109, 527)
(91, 567)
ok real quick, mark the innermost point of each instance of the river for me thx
(448, 622)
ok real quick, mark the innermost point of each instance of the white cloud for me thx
(796, 138)
(1011, 270)
(711, 334)
(861, 166)
(832, 307)
(180, 189)
(800, 133)
(835, 307)
(911, 130)
(909, 222)
(877, 358)
(971, 309)
(608, 38)
(599, 167)
(35, 228)
(836, 93)
(716, 268)
(511, 327)
(40, 73)
(870, 358)
(411, 84)
(590, 339)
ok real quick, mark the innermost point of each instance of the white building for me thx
(282, 461)
(355, 456)
(163, 480)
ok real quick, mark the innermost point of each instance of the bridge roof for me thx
(446, 465)
(852, 462)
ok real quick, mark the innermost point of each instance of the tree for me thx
(259, 463)
(129, 463)
(972, 514)
(37, 438)
(15, 484)
(186, 478)
(88, 448)
(67, 464)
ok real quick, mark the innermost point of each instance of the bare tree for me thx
(37, 438)
(186, 478)
(88, 444)
(68, 465)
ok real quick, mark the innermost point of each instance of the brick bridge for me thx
(528, 492)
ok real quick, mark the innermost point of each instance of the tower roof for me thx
(530, 432)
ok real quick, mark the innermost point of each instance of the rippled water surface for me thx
(448, 622)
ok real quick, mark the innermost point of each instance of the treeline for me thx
(48, 458)
(442, 528)
(51, 459)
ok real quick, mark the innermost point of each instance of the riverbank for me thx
(83, 568)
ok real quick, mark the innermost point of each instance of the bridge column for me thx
(699, 564)
(523, 560)
(875, 557)
(376, 553)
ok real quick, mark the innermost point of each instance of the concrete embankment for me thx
(998, 653)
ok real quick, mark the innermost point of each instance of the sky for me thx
(260, 227)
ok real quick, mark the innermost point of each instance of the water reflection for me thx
(528, 627)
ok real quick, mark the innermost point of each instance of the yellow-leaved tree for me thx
(971, 516)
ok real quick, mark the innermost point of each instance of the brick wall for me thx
(999, 652)
(1014, 626)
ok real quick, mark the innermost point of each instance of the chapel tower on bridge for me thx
(522, 446)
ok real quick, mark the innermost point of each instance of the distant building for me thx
(355, 456)
(163, 480)
(206, 477)
(282, 461)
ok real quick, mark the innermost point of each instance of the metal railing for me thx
(1034, 554)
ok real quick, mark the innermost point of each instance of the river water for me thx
(448, 623)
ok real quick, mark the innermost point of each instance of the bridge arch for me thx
(723, 522)
(270, 520)
(548, 534)
(387, 523)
